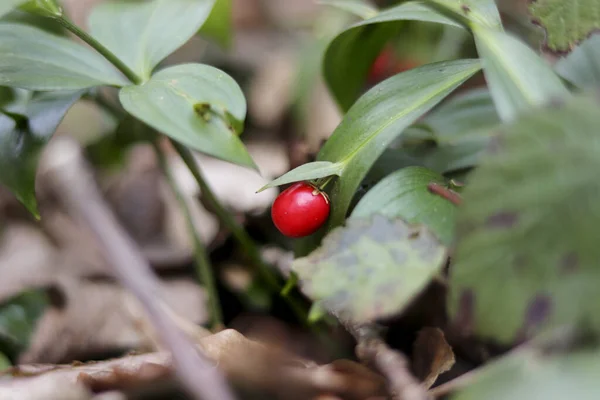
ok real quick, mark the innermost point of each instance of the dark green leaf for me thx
(582, 66)
(21, 141)
(404, 194)
(218, 26)
(360, 8)
(566, 22)
(371, 268)
(482, 13)
(44, 23)
(18, 317)
(352, 52)
(380, 116)
(36, 60)
(517, 77)
(143, 33)
(313, 170)
(530, 222)
(536, 374)
(195, 104)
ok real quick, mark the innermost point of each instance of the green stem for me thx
(99, 47)
(203, 266)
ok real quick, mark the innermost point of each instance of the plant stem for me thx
(99, 47)
(203, 266)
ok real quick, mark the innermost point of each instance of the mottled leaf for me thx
(566, 22)
(352, 52)
(23, 136)
(582, 66)
(195, 104)
(527, 255)
(404, 194)
(143, 33)
(371, 268)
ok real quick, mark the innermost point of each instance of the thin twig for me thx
(73, 183)
(203, 266)
(446, 193)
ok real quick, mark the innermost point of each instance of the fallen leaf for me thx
(432, 355)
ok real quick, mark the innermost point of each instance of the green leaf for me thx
(371, 268)
(404, 194)
(379, 117)
(4, 362)
(352, 52)
(143, 33)
(482, 13)
(359, 8)
(18, 317)
(517, 77)
(22, 140)
(7, 6)
(313, 170)
(36, 60)
(582, 66)
(530, 221)
(169, 102)
(566, 22)
(218, 26)
(537, 374)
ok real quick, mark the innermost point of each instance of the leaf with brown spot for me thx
(432, 355)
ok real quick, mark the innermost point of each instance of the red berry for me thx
(300, 210)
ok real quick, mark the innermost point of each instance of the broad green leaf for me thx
(517, 77)
(352, 52)
(143, 33)
(313, 170)
(18, 317)
(36, 60)
(404, 194)
(21, 141)
(530, 221)
(582, 66)
(360, 8)
(7, 6)
(371, 268)
(566, 22)
(537, 374)
(170, 101)
(218, 26)
(379, 117)
(482, 13)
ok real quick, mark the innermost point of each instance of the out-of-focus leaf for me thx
(352, 52)
(483, 13)
(530, 221)
(7, 6)
(566, 22)
(197, 105)
(360, 8)
(4, 362)
(218, 26)
(537, 374)
(432, 355)
(404, 194)
(18, 317)
(582, 66)
(517, 77)
(37, 60)
(22, 137)
(371, 268)
(143, 33)
(46, 24)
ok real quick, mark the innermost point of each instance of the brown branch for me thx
(373, 351)
(446, 193)
(73, 184)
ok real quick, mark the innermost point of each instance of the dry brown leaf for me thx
(247, 364)
(94, 320)
(432, 355)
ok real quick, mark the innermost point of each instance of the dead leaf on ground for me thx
(95, 321)
(432, 355)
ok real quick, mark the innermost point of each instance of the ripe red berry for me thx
(300, 210)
